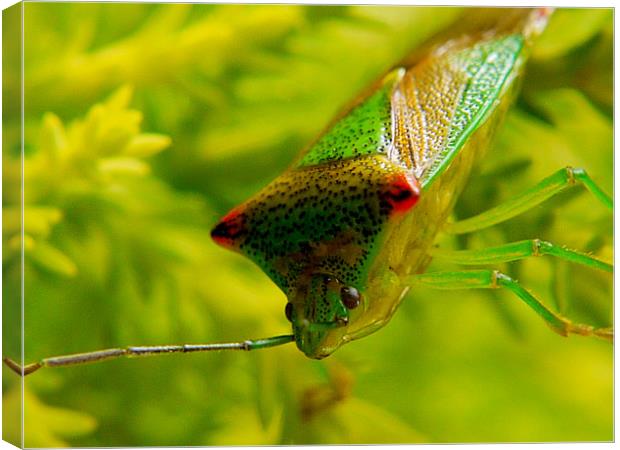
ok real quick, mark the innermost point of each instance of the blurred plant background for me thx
(145, 123)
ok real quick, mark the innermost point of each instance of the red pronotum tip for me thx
(229, 228)
(403, 193)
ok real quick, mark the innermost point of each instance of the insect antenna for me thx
(134, 352)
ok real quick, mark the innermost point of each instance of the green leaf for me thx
(52, 259)
(568, 29)
(253, 431)
(53, 140)
(38, 221)
(44, 425)
(147, 144)
(123, 165)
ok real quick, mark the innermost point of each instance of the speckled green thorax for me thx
(324, 218)
(366, 130)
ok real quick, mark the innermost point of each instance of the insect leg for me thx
(547, 188)
(132, 352)
(493, 279)
(519, 250)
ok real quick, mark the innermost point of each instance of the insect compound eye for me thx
(327, 279)
(350, 297)
(288, 311)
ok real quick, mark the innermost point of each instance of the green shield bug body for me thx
(349, 228)
(360, 209)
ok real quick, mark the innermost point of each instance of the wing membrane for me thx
(445, 97)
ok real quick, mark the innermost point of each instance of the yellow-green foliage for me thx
(145, 123)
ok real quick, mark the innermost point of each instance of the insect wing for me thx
(451, 86)
(441, 101)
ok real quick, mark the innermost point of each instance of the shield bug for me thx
(349, 228)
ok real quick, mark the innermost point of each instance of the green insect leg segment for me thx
(547, 188)
(493, 279)
(519, 250)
